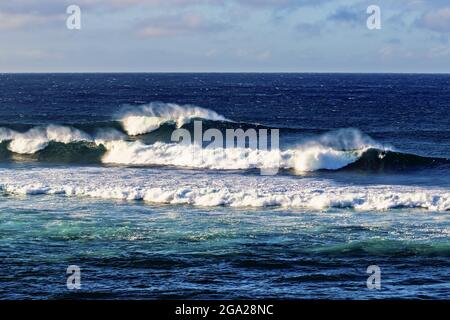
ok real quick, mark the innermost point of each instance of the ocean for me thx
(90, 177)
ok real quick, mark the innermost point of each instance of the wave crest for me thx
(147, 118)
(331, 152)
(193, 156)
(345, 149)
(38, 138)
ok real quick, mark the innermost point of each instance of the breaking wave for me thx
(73, 146)
(148, 118)
(38, 138)
(345, 149)
(194, 156)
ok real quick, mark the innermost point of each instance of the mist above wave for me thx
(137, 120)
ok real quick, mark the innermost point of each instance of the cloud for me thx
(19, 13)
(279, 3)
(310, 29)
(52, 5)
(438, 20)
(438, 52)
(348, 15)
(248, 35)
(253, 54)
(15, 21)
(178, 25)
(341, 16)
(395, 52)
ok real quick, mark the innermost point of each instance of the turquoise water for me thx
(132, 250)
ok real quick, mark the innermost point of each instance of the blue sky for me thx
(225, 35)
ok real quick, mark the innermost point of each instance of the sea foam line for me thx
(370, 199)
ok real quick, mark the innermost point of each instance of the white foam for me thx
(211, 190)
(29, 142)
(24, 145)
(66, 134)
(192, 156)
(136, 125)
(38, 138)
(147, 118)
(306, 158)
(316, 157)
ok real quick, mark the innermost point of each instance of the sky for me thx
(225, 36)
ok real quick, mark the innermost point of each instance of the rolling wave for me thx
(58, 152)
(194, 156)
(136, 140)
(147, 118)
(295, 161)
(382, 160)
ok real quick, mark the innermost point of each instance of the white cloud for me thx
(439, 52)
(14, 21)
(259, 55)
(178, 25)
(438, 20)
(395, 52)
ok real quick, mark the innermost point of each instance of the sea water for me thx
(89, 177)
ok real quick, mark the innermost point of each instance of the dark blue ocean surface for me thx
(90, 177)
(410, 111)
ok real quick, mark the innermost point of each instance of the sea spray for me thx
(143, 119)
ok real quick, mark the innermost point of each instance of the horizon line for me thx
(225, 72)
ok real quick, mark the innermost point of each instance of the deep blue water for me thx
(141, 224)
